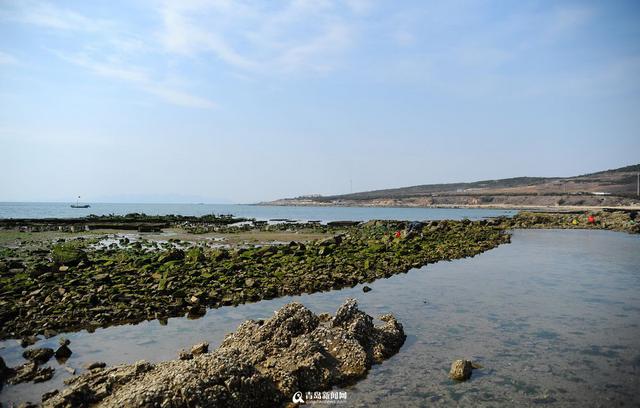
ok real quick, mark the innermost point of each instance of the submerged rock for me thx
(262, 364)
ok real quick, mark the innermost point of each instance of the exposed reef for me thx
(50, 287)
(262, 364)
(65, 284)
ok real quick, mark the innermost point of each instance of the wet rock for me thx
(200, 348)
(28, 341)
(335, 240)
(224, 277)
(260, 365)
(94, 365)
(366, 289)
(24, 373)
(195, 255)
(461, 370)
(102, 277)
(44, 374)
(67, 254)
(38, 355)
(48, 395)
(184, 355)
(324, 317)
(172, 255)
(5, 372)
(30, 371)
(63, 352)
(48, 333)
(196, 311)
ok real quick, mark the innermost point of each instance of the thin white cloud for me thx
(105, 48)
(140, 79)
(96, 31)
(268, 38)
(49, 16)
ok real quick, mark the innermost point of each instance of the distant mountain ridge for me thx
(615, 187)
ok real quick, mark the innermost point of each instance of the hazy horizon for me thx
(241, 102)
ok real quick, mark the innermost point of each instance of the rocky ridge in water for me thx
(55, 287)
(70, 285)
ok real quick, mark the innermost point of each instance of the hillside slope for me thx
(617, 187)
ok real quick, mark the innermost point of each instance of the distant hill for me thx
(616, 187)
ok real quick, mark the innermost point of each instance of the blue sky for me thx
(248, 101)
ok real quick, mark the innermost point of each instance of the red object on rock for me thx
(591, 219)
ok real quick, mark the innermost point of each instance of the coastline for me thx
(89, 282)
(78, 284)
(86, 281)
(549, 208)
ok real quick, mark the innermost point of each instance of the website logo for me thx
(297, 398)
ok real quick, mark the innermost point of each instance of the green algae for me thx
(72, 285)
(128, 283)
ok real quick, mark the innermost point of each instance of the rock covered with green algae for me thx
(68, 255)
(262, 364)
(132, 284)
(624, 221)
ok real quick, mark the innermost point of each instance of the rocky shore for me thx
(64, 284)
(54, 282)
(553, 202)
(71, 284)
(614, 220)
(262, 364)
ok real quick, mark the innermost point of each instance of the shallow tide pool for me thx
(553, 317)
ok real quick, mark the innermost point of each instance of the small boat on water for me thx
(78, 205)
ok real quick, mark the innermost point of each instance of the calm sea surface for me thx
(63, 210)
(554, 318)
